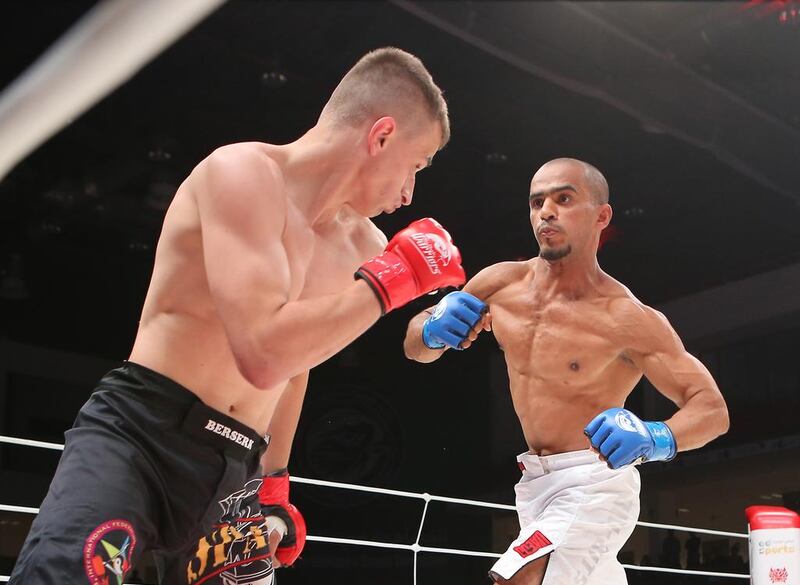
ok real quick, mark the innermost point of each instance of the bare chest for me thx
(564, 342)
(322, 263)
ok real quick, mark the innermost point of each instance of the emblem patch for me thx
(108, 551)
(535, 541)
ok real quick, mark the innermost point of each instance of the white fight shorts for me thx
(573, 507)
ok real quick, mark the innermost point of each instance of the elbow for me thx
(263, 380)
(259, 378)
(257, 372)
(717, 419)
(407, 349)
(723, 417)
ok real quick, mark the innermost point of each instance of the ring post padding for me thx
(774, 545)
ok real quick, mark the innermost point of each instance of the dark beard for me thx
(552, 254)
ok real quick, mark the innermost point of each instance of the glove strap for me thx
(664, 446)
(274, 487)
(390, 279)
(427, 339)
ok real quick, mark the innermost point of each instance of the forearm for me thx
(413, 345)
(283, 425)
(304, 333)
(703, 418)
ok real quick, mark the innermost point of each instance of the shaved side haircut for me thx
(598, 186)
(388, 82)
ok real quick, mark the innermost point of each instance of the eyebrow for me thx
(564, 187)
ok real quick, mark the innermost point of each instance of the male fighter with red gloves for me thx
(252, 286)
(576, 342)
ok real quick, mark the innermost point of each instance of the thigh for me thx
(97, 517)
(588, 551)
(609, 572)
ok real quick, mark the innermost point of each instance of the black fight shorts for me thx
(149, 467)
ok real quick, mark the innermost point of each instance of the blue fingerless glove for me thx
(452, 320)
(622, 438)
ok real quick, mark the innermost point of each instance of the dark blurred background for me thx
(692, 111)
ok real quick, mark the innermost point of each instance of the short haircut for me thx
(598, 186)
(388, 82)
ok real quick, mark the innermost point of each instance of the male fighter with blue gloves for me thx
(576, 343)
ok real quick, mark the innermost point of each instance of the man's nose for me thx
(407, 192)
(549, 210)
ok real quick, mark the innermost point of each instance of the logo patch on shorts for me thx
(107, 552)
(535, 541)
(237, 551)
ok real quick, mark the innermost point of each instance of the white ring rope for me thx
(30, 443)
(99, 53)
(415, 547)
(375, 490)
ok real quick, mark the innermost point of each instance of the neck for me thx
(320, 172)
(573, 275)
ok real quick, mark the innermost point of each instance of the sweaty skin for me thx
(576, 341)
(568, 357)
(253, 278)
(181, 334)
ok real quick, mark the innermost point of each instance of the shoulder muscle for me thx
(495, 277)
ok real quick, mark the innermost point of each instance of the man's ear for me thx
(380, 133)
(604, 217)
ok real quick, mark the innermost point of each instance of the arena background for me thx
(691, 109)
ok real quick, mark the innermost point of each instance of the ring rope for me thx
(415, 547)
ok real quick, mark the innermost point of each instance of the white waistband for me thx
(548, 463)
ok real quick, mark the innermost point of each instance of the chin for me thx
(553, 254)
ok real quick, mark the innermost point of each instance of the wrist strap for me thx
(664, 446)
(375, 284)
(274, 487)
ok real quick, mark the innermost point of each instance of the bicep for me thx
(664, 361)
(485, 283)
(676, 374)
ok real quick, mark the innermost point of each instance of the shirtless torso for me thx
(181, 334)
(576, 341)
(565, 361)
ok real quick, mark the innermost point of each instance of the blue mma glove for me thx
(452, 320)
(622, 438)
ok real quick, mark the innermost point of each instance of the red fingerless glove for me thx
(419, 259)
(274, 498)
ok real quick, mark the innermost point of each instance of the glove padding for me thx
(274, 498)
(452, 320)
(622, 438)
(417, 260)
